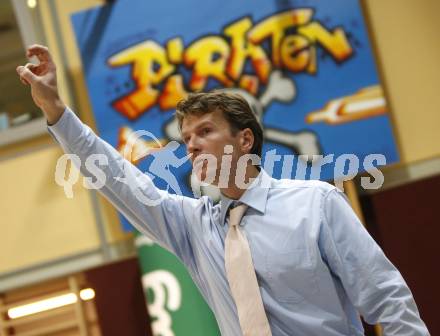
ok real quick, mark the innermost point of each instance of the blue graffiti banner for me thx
(306, 67)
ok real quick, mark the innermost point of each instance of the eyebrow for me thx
(204, 123)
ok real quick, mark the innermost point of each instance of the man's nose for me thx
(193, 146)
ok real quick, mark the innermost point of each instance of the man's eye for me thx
(206, 131)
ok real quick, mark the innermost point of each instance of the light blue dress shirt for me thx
(316, 265)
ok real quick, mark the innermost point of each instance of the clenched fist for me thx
(42, 78)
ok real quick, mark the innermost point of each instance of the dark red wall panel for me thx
(120, 301)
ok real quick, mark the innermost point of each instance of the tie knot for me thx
(236, 213)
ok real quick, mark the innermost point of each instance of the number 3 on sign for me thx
(161, 283)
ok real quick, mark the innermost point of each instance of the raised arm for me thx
(154, 212)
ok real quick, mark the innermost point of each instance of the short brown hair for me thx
(235, 108)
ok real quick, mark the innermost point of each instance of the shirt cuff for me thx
(68, 128)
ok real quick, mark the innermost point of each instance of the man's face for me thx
(209, 134)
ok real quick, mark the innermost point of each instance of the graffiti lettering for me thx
(292, 35)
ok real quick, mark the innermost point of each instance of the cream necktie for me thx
(242, 279)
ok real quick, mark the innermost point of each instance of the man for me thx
(275, 257)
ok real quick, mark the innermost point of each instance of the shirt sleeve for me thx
(373, 284)
(154, 212)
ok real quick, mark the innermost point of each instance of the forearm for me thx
(387, 300)
(53, 111)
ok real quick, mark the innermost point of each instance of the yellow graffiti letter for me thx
(208, 57)
(297, 54)
(172, 93)
(175, 50)
(241, 49)
(275, 27)
(144, 57)
(335, 43)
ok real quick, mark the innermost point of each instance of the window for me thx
(20, 118)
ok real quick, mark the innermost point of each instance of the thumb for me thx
(26, 74)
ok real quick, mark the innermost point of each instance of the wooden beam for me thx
(50, 329)
(79, 308)
(3, 327)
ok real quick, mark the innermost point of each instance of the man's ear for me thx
(246, 140)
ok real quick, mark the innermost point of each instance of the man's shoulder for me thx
(310, 185)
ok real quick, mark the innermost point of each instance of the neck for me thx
(233, 191)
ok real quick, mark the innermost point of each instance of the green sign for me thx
(174, 302)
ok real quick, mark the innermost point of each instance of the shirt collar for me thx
(254, 197)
